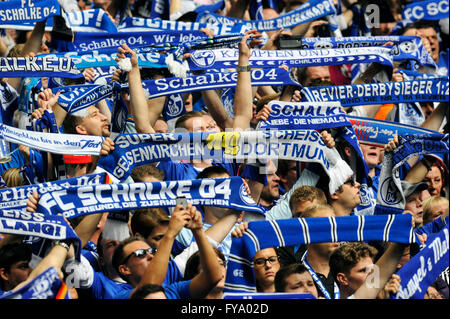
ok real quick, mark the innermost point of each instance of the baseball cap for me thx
(77, 159)
(409, 188)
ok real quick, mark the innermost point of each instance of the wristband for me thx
(62, 243)
(245, 68)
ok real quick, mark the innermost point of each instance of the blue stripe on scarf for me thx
(404, 47)
(240, 276)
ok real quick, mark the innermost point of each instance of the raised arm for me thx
(243, 110)
(138, 100)
(211, 272)
(157, 268)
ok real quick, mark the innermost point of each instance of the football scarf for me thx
(294, 231)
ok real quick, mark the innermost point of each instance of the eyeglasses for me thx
(351, 181)
(262, 261)
(140, 253)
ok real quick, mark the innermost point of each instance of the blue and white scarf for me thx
(17, 197)
(287, 232)
(73, 144)
(320, 115)
(38, 67)
(23, 223)
(378, 132)
(87, 41)
(133, 24)
(390, 193)
(213, 80)
(426, 10)
(77, 98)
(435, 89)
(306, 12)
(17, 12)
(132, 150)
(46, 285)
(75, 201)
(423, 269)
(404, 47)
(227, 58)
(91, 20)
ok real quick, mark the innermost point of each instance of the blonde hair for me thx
(12, 177)
(428, 204)
(311, 211)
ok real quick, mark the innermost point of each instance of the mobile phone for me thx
(181, 200)
(323, 31)
(290, 42)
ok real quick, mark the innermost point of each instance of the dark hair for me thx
(286, 271)
(119, 255)
(348, 255)
(144, 290)
(70, 123)
(12, 253)
(193, 263)
(143, 221)
(212, 170)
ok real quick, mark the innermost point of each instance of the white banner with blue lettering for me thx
(71, 144)
(227, 58)
(132, 150)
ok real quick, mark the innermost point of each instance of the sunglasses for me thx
(262, 261)
(140, 253)
(351, 181)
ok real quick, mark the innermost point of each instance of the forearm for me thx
(220, 229)
(157, 269)
(34, 42)
(216, 109)
(387, 264)
(55, 258)
(243, 99)
(87, 227)
(138, 102)
(434, 121)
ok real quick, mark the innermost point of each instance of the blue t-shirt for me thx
(105, 288)
(173, 275)
(178, 290)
